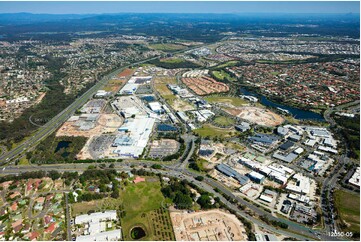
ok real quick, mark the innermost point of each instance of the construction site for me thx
(256, 115)
(204, 85)
(211, 225)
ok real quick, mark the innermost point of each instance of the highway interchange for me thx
(178, 169)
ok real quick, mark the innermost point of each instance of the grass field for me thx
(235, 101)
(224, 121)
(167, 47)
(172, 60)
(348, 207)
(208, 130)
(226, 64)
(113, 85)
(222, 75)
(143, 205)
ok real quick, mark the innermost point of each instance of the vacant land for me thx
(142, 203)
(348, 207)
(107, 123)
(256, 115)
(126, 72)
(208, 130)
(224, 121)
(235, 101)
(114, 85)
(212, 225)
(205, 85)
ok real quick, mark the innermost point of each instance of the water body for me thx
(62, 144)
(296, 112)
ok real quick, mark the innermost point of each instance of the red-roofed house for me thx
(51, 228)
(40, 199)
(33, 235)
(138, 179)
(49, 197)
(14, 206)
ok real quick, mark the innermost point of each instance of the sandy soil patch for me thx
(107, 123)
(256, 115)
(212, 225)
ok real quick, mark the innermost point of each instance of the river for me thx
(296, 112)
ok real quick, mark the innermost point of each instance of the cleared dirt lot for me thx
(126, 72)
(205, 85)
(256, 115)
(212, 225)
(106, 123)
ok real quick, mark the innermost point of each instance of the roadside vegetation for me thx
(350, 129)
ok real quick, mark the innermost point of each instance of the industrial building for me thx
(133, 136)
(156, 107)
(263, 138)
(301, 186)
(285, 157)
(256, 177)
(282, 131)
(243, 127)
(228, 171)
(97, 226)
(355, 179)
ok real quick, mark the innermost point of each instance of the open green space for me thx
(57, 149)
(348, 208)
(142, 203)
(235, 101)
(172, 63)
(227, 64)
(167, 47)
(224, 121)
(208, 130)
(222, 76)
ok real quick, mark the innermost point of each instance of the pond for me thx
(137, 233)
(62, 144)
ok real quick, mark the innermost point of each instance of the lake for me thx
(296, 112)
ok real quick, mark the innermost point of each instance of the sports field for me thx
(348, 207)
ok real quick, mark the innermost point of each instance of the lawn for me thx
(348, 207)
(142, 203)
(224, 121)
(235, 101)
(211, 131)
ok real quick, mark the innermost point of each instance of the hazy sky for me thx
(182, 7)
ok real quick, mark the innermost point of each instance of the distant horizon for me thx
(235, 13)
(187, 7)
